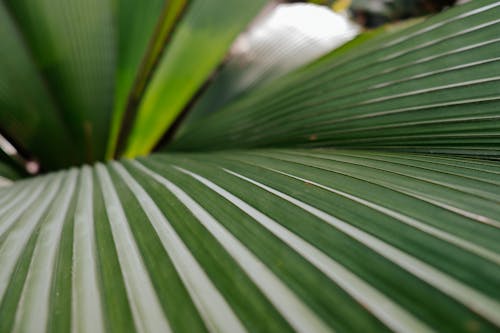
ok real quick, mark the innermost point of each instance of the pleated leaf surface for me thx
(433, 87)
(266, 240)
(296, 238)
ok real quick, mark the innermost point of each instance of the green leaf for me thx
(7, 171)
(267, 50)
(432, 87)
(73, 45)
(23, 94)
(259, 240)
(10, 168)
(143, 32)
(198, 45)
(264, 240)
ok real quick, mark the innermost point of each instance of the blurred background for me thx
(373, 13)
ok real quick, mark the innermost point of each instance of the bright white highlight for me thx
(285, 38)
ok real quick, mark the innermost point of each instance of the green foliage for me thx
(9, 168)
(197, 47)
(361, 217)
(72, 44)
(143, 31)
(432, 87)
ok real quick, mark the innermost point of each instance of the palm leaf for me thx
(432, 87)
(138, 54)
(74, 48)
(23, 93)
(268, 50)
(199, 44)
(270, 240)
(261, 240)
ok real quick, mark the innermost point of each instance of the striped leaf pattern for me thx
(432, 87)
(257, 240)
(260, 241)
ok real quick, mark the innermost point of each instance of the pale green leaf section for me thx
(286, 302)
(31, 314)
(143, 32)
(86, 311)
(18, 225)
(143, 301)
(258, 240)
(136, 25)
(211, 305)
(391, 314)
(198, 45)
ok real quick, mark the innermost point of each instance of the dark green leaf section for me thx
(73, 46)
(225, 85)
(23, 97)
(259, 240)
(10, 167)
(432, 87)
(198, 45)
(7, 171)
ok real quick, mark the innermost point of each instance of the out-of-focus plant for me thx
(373, 13)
